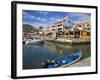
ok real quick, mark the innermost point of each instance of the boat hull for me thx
(63, 61)
(37, 42)
(32, 42)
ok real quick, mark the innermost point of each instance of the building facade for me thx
(64, 27)
(84, 28)
(60, 25)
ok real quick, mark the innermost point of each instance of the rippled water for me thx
(34, 55)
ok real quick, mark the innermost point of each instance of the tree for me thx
(27, 28)
(40, 28)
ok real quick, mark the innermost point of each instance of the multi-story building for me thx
(60, 25)
(65, 27)
(83, 25)
(84, 28)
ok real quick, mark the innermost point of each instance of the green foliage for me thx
(27, 28)
(40, 27)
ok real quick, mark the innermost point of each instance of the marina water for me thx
(34, 55)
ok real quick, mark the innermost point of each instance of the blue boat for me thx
(63, 60)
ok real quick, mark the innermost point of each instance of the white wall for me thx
(5, 37)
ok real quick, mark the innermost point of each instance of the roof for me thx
(83, 21)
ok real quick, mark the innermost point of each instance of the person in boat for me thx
(49, 62)
(45, 64)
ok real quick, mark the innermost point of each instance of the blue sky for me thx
(44, 18)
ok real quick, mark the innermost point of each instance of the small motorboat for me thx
(34, 41)
(63, 60)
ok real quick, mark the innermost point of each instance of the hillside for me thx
(27, 28)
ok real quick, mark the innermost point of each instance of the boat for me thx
(34, 41)
(63, 60)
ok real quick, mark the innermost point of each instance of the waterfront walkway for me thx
(81, 63)
(70, 40)
(73, 40)
(65, 40)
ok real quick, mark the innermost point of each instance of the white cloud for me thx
(26, 15)
(41, 19)
(43, 13)
(53, 19)
(36, 24)
(80, 16)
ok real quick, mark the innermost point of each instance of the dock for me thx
(64, 40)
(70, 40)
(81, 63)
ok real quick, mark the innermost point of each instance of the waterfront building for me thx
(84, 28)
(52, 28)
(68, 30)
(64, 28)
(60, 26)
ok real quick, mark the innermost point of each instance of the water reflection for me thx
(34, 55)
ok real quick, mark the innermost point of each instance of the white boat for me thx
(34, 41)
